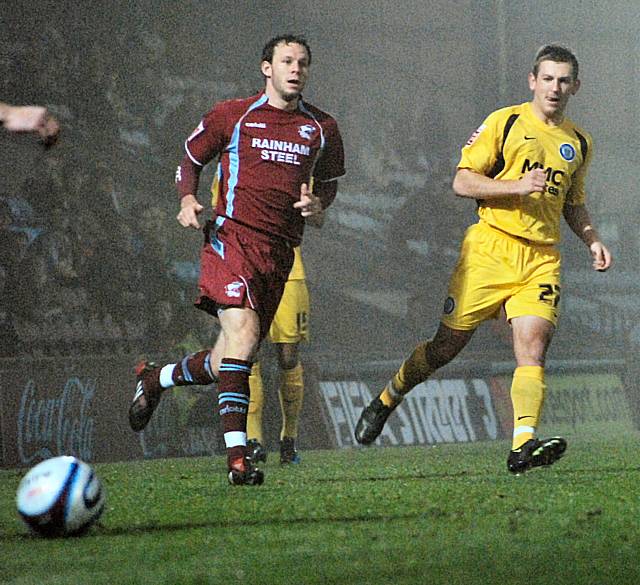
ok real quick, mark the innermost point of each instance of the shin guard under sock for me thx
(233, 404)
(527, 397)
(414, 370)
(194, 369)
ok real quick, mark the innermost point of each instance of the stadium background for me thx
(96, 272)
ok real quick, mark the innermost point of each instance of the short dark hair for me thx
(267, 51)
(557, 54)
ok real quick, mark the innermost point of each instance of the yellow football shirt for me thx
(563, 152)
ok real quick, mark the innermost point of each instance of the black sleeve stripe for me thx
(584, 145)
(499, 165)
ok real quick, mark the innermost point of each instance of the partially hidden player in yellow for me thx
(288, 329)
(525, 166)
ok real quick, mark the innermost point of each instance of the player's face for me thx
(552, 88)
(288, 72)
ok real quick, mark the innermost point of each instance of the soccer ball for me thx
(61, 496)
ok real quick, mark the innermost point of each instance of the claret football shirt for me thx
(265, 155)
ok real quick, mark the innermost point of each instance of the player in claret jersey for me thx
(269, 149)
(525, 166)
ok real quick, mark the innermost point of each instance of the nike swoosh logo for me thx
(527, 416)
(529, 137)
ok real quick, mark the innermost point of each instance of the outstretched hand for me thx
(308, 204)
(36, 119)
(190, 209)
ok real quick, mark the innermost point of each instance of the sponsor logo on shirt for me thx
(234, 289)
(554, 176)
(255, 125)
(280, 150)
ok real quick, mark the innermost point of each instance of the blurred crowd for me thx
(87, 229)
(78, 277)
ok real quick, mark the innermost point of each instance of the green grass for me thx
(449, 514)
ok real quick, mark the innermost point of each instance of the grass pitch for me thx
(449, 514)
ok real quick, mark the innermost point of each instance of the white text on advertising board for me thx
(436, 411)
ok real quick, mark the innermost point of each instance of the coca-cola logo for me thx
(56, 425)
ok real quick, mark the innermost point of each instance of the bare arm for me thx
(30, 119)
(578, 219)
(468, 183)
(22, 118)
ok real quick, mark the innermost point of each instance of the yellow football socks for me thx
(256, 403)
(291, 395)
(527, 397)
(414, 370)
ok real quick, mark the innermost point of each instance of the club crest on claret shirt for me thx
(306, 130)
(233, 289)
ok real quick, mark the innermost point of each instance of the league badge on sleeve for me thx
(475, 134)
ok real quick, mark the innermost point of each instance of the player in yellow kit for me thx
(525, 166)
(288, 329)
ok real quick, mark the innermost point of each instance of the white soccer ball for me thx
(61, 496)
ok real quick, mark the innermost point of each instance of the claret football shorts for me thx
(242, 268)
(494, 270)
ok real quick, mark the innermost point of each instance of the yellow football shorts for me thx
(291, 323)
(494, 270)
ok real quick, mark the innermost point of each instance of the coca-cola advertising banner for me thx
(52, 407)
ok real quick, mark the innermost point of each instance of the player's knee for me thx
(289, 365)
(242, 344)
